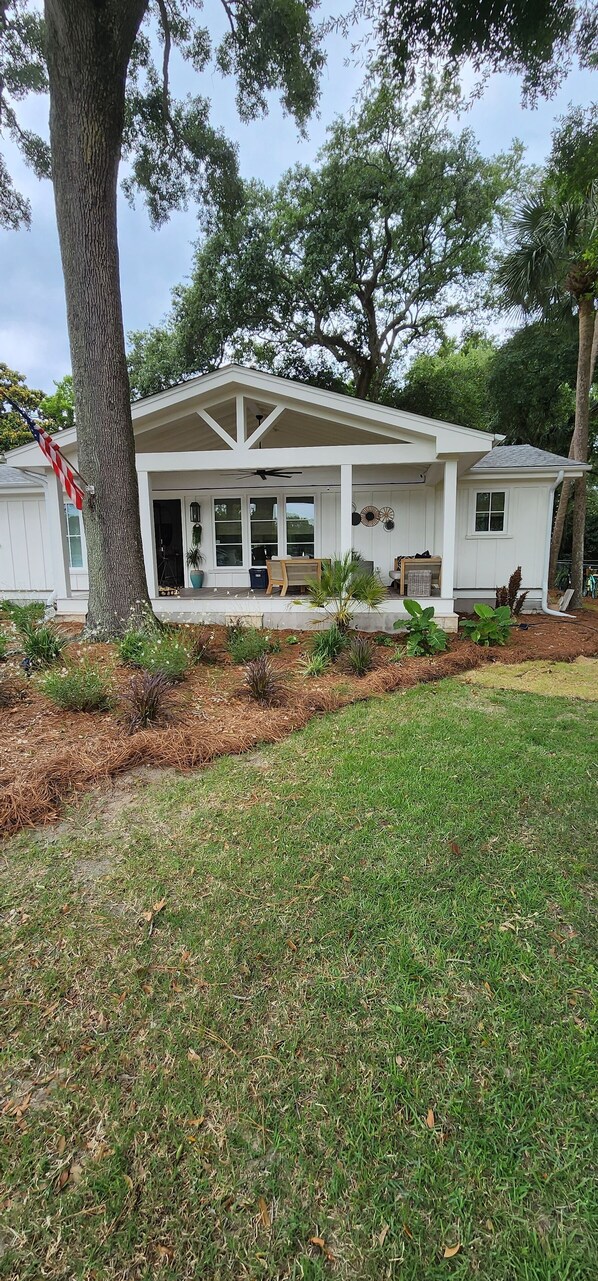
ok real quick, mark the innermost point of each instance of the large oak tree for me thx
(338, 271)
(108, 101)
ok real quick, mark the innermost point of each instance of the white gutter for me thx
(553, 613)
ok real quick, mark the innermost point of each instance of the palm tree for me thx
(344, 584)
(554, 258)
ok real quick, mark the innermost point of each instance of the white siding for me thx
(24, 558)
(485, 561)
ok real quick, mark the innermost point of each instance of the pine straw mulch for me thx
(47, 754)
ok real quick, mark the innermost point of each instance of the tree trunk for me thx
(567, 487)
(88, 46)
(587, 317)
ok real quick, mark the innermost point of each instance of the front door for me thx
(168, 529)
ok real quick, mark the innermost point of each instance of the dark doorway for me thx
(168, 528)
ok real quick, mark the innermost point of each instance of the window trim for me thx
(488, 533)
(293, 498)
(224, 497)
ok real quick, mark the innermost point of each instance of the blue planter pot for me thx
(196, 576)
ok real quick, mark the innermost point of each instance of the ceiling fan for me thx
(265, 472)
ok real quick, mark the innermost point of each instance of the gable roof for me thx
(525, 458)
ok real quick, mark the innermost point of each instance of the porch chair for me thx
(275, 575)
(300, 572)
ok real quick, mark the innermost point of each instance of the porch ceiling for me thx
(291, 430)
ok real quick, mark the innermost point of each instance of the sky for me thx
(33, 334)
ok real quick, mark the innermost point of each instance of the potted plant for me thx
(195, 558)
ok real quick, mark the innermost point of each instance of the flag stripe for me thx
(64, 472)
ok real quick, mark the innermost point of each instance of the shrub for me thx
(263, 682)
(247, 643)
(166, 654)
(199, 642)
(145, 702)
(43, 643)
(11, 686)
(490, 626)
(315, 665)
(510, 595)
(359, 655)
(3, 644)
(23, 614)
(80, 687)
(343, 585)
(424, 634)
(329, 644)
(292, 640)
(132, 648)
(383, 639)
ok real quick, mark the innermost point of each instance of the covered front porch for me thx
(252, 468)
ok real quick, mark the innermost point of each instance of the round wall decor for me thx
(355, 518)
(370, 516)
(389, 525)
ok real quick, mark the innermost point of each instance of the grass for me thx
(338, 989)
(571, 680)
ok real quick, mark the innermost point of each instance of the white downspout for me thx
(553, 613)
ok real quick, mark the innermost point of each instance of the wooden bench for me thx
(297, 572)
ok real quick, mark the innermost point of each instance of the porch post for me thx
(346, 535)
(146, 513)
(59, 550)
(449, 522)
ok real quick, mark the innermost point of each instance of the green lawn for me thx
(362, 1014)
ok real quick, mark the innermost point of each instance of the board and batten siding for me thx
(485, 561)
(414, 517)
(24, 557)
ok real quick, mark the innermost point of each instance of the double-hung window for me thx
(490, 511)
(74, 535)
(301, 524)
(263, 514)
(228, 532)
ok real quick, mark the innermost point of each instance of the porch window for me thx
(263, 512)
(490, 511)
(228, 532)
(301, 521)
(74, 536)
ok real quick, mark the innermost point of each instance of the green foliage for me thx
(490, 626)
(195, 556)
(292, 640)
(3, 644)
(146, 701)
(384, 640)
(166, 654)
(573, 161)
(23, 614)
(315, 664)
(43, 643)
(553, 254)
(12, 686)
(318, 276)
(531, 384)
(534, 40)
(172, 149)
(13, 430)
(345, 585)
(424, 634)
(359, 655)
(80, 687)
(329, 643)
(452, 384)
(264, 682)
(58, 409)
(132, 646)
(247, 643)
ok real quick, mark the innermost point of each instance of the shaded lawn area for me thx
(361, 1016)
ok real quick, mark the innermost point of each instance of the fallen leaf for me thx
(407, 1231)
(382, 1235)
(129, 1182)
(62, 1180)
(164, 1252)
(60, 1146)
(319, 1241)
(292, 946)
(193, 1056)
(451, 1250)
(264, 1210)
(152, 913)
(455, 849)
(430, 1119)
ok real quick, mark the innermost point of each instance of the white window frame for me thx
(489, 533)
(71, 510)
(223, 496)
(290, 498)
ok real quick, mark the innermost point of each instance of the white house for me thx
(273, 469)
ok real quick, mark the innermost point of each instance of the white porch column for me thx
(449, 524)
(59, 549)
(346, 533)
(146, 513)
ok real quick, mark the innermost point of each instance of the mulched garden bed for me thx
(46, 755)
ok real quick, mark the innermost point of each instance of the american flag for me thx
(72, 482)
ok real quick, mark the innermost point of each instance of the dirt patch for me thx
(47, 755)
(578, 679)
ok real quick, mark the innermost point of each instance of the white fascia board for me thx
(236, 378)
(572, 472)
